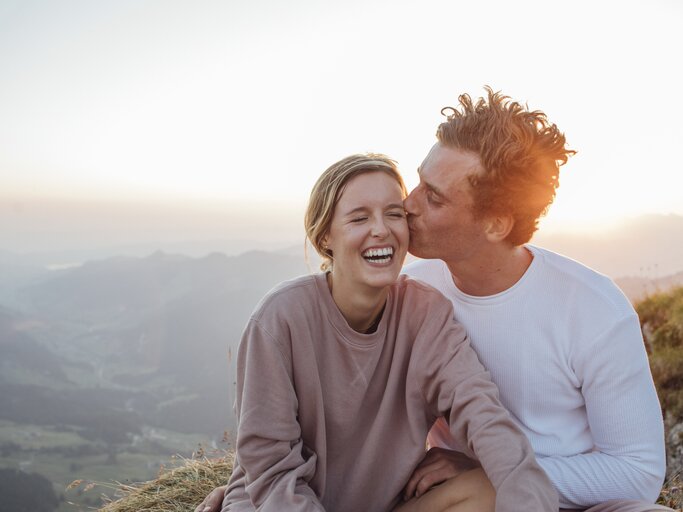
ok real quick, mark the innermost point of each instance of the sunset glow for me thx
(222, 106)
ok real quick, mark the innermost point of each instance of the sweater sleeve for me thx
(274, 463)
(625, 420)
(458, 388)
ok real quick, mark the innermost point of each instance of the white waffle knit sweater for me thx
(564, 347)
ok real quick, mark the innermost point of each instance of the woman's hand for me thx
(213, 501)
(437, 466)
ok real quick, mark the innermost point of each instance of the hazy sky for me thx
(139, 118)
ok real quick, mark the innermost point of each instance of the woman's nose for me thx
(380, 229)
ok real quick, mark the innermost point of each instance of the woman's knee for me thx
(471, 486)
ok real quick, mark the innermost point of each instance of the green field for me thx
(62, 456)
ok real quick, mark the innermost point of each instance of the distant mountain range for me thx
(648, 247)
(155, 333)
(156, 330)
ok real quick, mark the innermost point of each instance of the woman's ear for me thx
(325, 244)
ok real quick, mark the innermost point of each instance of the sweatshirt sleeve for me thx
(458, 388)
(624, 415)
(275, 464)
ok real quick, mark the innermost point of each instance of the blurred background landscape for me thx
(110, 366)
(156, 158)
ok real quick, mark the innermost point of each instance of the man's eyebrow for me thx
(431, 187)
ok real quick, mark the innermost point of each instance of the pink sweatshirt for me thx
(332, 419)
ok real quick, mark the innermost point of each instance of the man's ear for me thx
(498, 227)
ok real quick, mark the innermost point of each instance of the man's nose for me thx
(410, 202)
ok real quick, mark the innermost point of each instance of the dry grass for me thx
(183, 487)
(672, 493)
(177, 489)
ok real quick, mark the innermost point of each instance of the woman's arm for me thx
(269, 450)
(458, 388)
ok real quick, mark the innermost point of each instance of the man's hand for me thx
(437, 466)
(213, 502)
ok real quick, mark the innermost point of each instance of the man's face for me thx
(440, 217)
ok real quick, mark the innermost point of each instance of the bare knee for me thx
(471, 491)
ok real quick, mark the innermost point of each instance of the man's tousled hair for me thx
(520, 153)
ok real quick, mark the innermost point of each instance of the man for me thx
(560, 341)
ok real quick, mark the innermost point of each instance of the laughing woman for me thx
(341, 374)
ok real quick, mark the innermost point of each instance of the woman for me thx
(341, 375)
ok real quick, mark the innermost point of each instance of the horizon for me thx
(51, 225)
(647, 246)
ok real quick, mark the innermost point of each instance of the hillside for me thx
(108, 368)
(661, 317)
(638, 288)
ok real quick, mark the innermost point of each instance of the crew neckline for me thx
(335, 317)
(499, 297)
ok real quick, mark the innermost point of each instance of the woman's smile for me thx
(379, 255)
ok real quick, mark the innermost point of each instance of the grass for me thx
(177, 489)
(182, 487)
(672, 493)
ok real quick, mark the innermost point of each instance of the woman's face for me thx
(368, 234)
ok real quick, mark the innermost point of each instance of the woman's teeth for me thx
(383, 255)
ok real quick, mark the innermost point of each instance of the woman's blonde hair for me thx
(329, 188)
